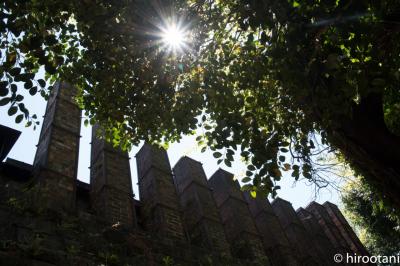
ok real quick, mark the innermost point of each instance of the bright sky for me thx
(299, 194)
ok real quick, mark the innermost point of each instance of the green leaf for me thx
(11, 57)
(5, 101)
(3, 91)
(14, 88)
(19, 98)
(282, 158)
(42, 83)
(251, 167)
(253, 194)
(33, 91)
(15, 71)
(296, 175)
(12, 110)
(307, 175)
(246, 179)
(217, 154)
(28, 84)
(19, 118)
(228, 163)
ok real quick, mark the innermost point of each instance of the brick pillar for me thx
(330, 229)
(239, 226)
(347, 232)
(200, 213)
(111, 185)
(302, 246)
(324, 248)
(56, 159)
(161, 211)
(275, 242)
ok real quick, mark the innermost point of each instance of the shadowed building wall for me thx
(161, 212)
(329, 227)
(110, 179)
(275, 242)
(348, 234)
(301, 243)
(323, 246)
(200, 213)
(215, 211)
(56, 159)
(239, 226)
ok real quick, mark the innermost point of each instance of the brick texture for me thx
(111, 184)
(348, 234)
(161, 211)
(301, 243)
(200, 212)
(323, 247)
(56, 158)
(275, 241)
(239, 226)
(329, 227)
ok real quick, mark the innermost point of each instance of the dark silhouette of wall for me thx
(181, 215)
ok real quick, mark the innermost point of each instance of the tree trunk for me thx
(370, 147)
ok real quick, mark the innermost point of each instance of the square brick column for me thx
(347, 232)
(161, 211)
(239, 226)
(56, 159)
(200, 212)
(324, 248)
(329, 227)
(111, 185)
(275, 242)
(302, 245)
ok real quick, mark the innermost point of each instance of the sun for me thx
(174, 37)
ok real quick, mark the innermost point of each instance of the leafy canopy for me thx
(260, 76)
(378, 223)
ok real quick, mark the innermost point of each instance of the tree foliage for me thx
(261, 77)
(378, 223)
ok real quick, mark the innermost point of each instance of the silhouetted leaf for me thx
(19, 118)
(12, 110)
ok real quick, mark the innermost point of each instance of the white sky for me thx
(300, 194)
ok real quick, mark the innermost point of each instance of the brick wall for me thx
(275, 241)
(161, 211)
(56, 158)
(111, 184)
(329, 227)
(182, 215)
(301, 243)
(239, 226)
(200, 212)
(348, 234)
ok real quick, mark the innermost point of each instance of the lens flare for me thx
(174, 37)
